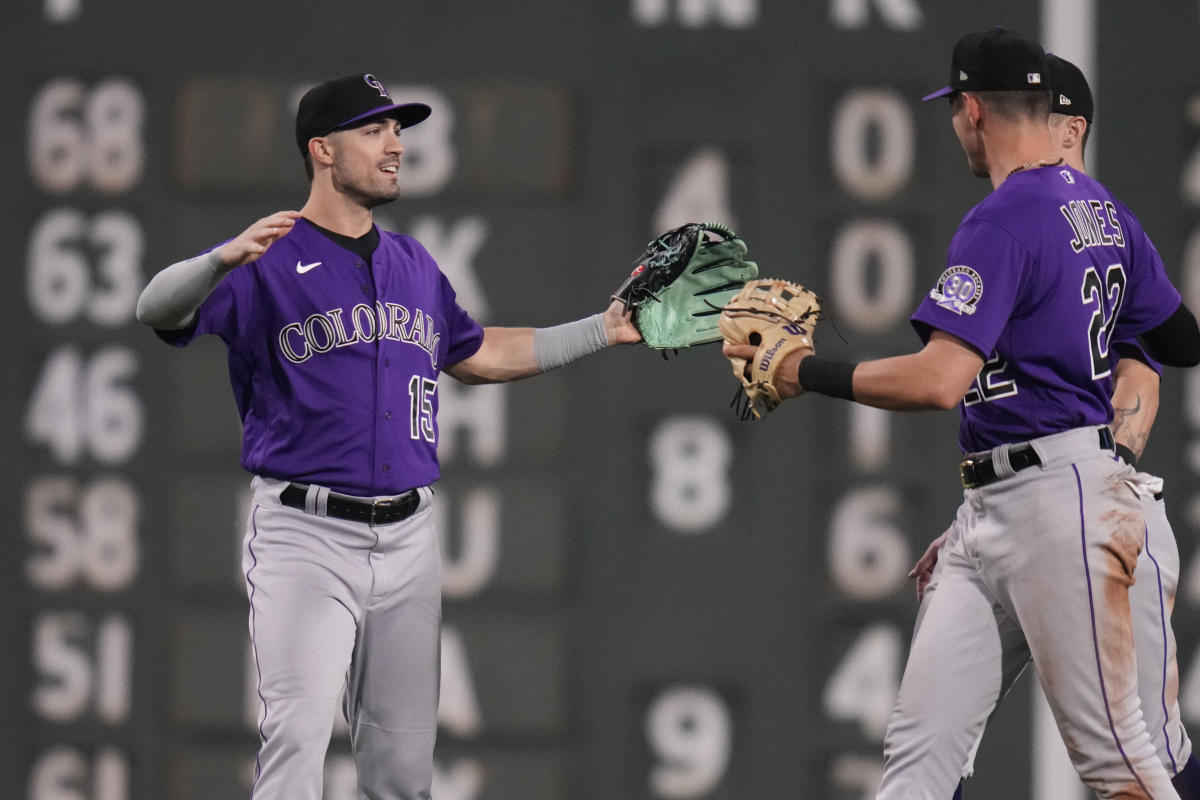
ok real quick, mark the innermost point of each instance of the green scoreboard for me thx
(645, 598)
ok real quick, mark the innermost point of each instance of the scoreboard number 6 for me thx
(86, 406)
(79, 136)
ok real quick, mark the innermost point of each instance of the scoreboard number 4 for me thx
(83, 405)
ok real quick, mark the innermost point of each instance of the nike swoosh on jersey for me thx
(303, 268)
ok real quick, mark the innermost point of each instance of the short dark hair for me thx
(1018, 105)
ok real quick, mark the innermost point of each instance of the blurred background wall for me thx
(645, 598)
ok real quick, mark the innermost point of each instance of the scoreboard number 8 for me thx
(689, 458)
(79, 136)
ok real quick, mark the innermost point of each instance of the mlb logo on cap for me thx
(995, 60)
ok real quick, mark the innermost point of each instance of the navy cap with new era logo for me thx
(995, 60)
(1072, 95)
(348, 102)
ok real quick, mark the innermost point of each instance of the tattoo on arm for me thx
(1128, 428)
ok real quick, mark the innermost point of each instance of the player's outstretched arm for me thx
(1135, 406)
(170, 300)
(935, 377)
(510, 354)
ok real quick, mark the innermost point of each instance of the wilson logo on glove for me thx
(776, 311)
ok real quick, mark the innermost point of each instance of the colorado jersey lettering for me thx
(1047, 318)
(320, 333)
(345, 344)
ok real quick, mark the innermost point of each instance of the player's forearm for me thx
(171, 298)
(506, 354)
(934, 378)
(1135, 405)
(905, 383)
(510, 354)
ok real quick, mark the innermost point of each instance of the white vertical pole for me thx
(1069, 30)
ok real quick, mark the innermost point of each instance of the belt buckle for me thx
(966, 469)
(382, 505)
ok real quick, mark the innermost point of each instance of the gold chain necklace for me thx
(1035, 165)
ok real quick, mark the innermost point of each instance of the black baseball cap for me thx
(347, 103)
(995, 60)
(1072, 95)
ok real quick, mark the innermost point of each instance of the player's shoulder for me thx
(1027, 201)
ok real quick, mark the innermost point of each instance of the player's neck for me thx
(336, 212)
(1021, 148)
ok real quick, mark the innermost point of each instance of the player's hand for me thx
(254, 241)
(923, 570)
(787, 383)
(618, 324)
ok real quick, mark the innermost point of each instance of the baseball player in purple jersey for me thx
(337, 334)
(1135, 405)
(1041, 276)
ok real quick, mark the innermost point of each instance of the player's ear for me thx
(1076, 126)
(974, 108)
(320, 150)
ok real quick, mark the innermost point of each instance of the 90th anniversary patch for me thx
(958, 289)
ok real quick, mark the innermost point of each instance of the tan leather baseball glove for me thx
(777, 317)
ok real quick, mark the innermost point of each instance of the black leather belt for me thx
(378, 512)
(979, 471)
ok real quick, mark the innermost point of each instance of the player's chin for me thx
(384, 193)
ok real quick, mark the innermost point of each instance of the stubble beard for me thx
(367, 190)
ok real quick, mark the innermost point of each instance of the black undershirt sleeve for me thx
(1176, 342)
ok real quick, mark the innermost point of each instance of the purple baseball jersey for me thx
(1041, 277)
(1141, 356)
(334, 362)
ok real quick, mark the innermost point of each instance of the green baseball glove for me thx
(681, 283)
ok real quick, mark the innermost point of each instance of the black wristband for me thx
(1126, 454)
(826, 376)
